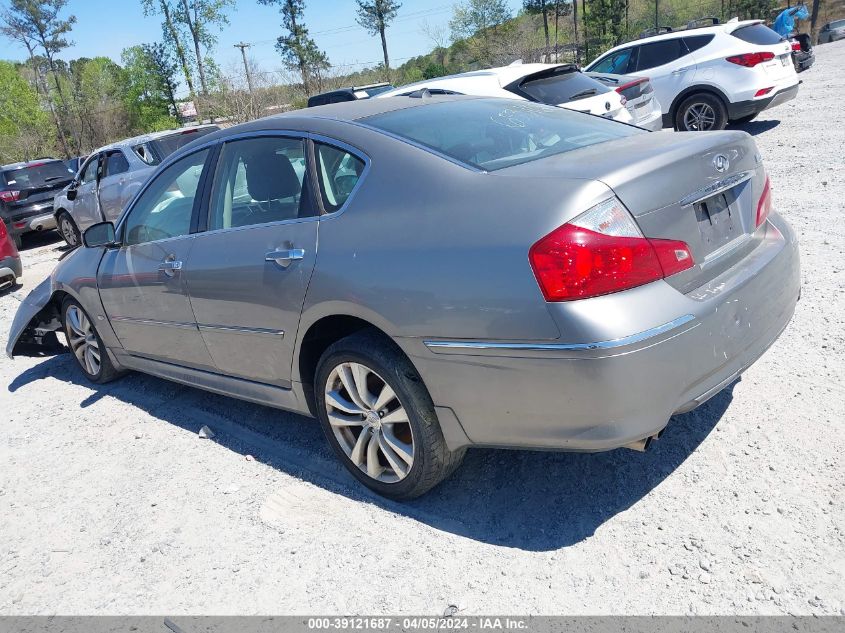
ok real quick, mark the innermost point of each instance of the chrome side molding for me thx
(435, 345)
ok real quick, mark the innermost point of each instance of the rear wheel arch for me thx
(688, 92)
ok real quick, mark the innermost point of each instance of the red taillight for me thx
(796, 45)
(764, 206)
(631, 84)
(600, 252)
(750, 60)
(10, 196)
(763, 91)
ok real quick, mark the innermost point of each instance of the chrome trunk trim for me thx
(715, 187)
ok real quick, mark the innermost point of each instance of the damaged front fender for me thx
(34, 329)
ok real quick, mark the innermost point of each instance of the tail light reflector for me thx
(750, 60)
(10, 196)
(763, 91)
(764, 205)
(600, 252)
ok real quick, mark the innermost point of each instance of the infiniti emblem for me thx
(721, 163)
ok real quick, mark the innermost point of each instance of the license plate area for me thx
(718, 221)
(785, 59)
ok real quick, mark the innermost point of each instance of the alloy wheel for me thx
(699, 117)
(68, 232)
(82, 340)
(369, 422)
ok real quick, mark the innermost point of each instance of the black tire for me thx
(711, 108)
(106, 372)
(745, 119)
(17, 239)
(68, 230)
(432, 460)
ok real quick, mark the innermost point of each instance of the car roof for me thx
(725, 27)
(37, 161)
(499, 76)
(151, 136)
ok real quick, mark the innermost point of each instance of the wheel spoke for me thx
(395, 417)
(336, 401)
(73, 321)
(390, 455)
(405, 451)
(338, 419)
(344, 372)
(387, 394)
(374, 468)
(358, 451)
(359, 375)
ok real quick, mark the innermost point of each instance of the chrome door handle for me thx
(170, 266)
(284, 257)
(681, 70)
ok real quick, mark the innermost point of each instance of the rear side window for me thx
(561, 87)
(697, 41)
(116, 163)
(38, 175)
(660, 53)
(339, 172)
(757, 34)
(615, 63)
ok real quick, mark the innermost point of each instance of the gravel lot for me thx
(110, 503)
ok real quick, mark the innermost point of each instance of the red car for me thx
(10, 259)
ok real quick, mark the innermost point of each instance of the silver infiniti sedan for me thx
(428, 274)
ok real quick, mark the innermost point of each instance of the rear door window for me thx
(38, 175)
(615, 63)
(757, 34)
(659, 53)
(696, 42)
(561, 87)
(116, 163)
(339, 171)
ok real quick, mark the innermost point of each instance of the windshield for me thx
(559, 87)
(492, 134)
(154, 152)
(39, 175)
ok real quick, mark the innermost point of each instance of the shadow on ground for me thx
(37, 239)
(535, 501)
(756, 127)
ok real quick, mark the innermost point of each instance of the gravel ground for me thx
(111, 504)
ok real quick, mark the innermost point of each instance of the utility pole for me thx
(243, 46)
(656, 18)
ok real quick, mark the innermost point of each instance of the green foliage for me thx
(375, 15)
(149, 89)
(25, 130)
(298, 50)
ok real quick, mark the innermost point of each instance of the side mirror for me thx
(71, 193)
(100, 234)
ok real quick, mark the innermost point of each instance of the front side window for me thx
(116, 163)
(615, 63)
(493, 134)
(259, 180)
(339, 172)
(659, 53)
(89, 174)
(165, 208)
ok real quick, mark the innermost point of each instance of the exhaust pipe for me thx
(643, 444)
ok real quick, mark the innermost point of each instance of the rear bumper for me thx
(600, 396)
(10, 267)
(38, 217)
(742, 109)
(653, 121)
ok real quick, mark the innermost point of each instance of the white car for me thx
(554, 84)
(707, 77)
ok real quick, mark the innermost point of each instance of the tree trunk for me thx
(180, 50)
(814, 16)
(192, 27)
(585, 29)
(384, 48)
(41, 87)
(303, 66)
(575, 28)
(546, 24)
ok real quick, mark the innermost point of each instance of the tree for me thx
(201, 18)
(150, 95)
(298, 50)
(172, 36)
(24, 127)
(38, 22)
(539, 6)
(374, 16)
(477, 19)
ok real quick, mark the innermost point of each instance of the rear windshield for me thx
(39, 175)
(757, 34)
(154, 152)
(561, 86)
(492, 134)
(372, 92)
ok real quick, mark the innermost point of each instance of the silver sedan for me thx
(428, 274)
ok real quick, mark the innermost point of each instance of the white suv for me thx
(706, 77)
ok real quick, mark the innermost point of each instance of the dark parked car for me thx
(75, 163)
(10, 260)
(26, 195)
(488, 273)
(353, 93)
(832, 31)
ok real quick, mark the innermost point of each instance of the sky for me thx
(106, 27)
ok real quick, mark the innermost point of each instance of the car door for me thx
(669, 65)
(113, 180)
(249, 271)
(86, 206)
(142, 283)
